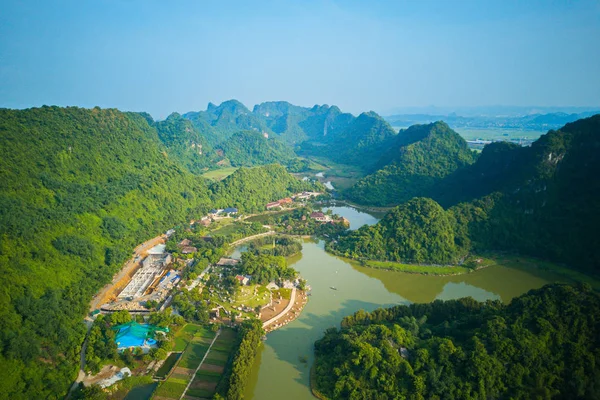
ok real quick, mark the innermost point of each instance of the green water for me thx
(278, 372)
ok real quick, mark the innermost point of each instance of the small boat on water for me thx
(332, 288)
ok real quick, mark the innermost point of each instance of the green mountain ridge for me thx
(415, 162)
(542, 200)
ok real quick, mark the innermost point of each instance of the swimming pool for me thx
(134, 335)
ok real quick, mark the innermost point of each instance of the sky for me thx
(166, 56)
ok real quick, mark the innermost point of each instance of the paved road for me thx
(281, 314)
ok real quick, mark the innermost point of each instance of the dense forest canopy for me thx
(542, 345)
(542, 200)
(416, 161)
(80, 189)
(419, 231)
(248, 148)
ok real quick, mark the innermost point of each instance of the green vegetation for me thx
(235, 377)
(418, 269)
(419, 231)
(276, 246)
(248, 148)
(250, 189)
(172, 388)
(219, 174)
(167, 366)
(542, 345)
(80, 189)
(185, 144)
(541, 201)
(265, 268)
(420, 157)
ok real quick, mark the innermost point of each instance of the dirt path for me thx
(122, 277)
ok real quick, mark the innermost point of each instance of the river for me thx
(281, 370)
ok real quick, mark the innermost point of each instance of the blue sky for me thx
(160, 56)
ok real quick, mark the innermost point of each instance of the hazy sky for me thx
(164, 56)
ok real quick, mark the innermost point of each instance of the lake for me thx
(279, 371)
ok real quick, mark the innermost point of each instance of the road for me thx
(285, 311)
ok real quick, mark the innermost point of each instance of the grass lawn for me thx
(193, 355)
(208, 376)
(251, 296)
(229, 229)
(217, 357)
(285, 293)
(164, 369)
(419, 269)
(172, 388)
(219, 174)
(187, 334)
(201, 393)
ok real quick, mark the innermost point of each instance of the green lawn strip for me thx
(187, 333)
(419, 269)
(170, 388)
(166, 367)
(201, 376)
(193, 355)
(217, 358)
(203, 372)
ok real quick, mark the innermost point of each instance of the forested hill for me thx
(218, 123)
(542, 345)
(542, 200)
(412, 165)
(185, 144)
(247, 148)
(80, 189)
(321, 130)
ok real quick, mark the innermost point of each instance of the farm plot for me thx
(195, 339)
(211, 371)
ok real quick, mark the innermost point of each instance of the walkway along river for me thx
(281, 370)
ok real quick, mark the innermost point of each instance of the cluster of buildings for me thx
(185, 247)
(223, 212)
(290, 200)
(321, 217)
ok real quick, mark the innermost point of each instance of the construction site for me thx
(145, 277)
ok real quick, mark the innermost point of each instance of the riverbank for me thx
(293, 309)
(433, 270)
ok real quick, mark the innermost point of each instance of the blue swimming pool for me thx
(134, 335)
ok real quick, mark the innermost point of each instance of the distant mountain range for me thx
(536, 121)
(321, 130)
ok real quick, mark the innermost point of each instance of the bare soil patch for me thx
(211, 367)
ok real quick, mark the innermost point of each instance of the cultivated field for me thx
(211, 372)
(195, 339)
